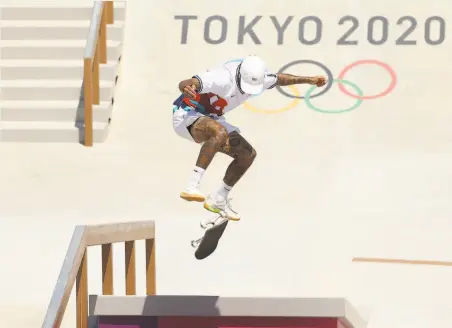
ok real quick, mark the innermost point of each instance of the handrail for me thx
(74, 267)
(66, 279)
(94, 28)
(95, 53)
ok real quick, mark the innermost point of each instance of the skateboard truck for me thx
(210, 223)
(207, 244)
(195, 243)
(209, 226)
(213, 230)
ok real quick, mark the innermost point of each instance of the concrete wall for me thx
(372, 182)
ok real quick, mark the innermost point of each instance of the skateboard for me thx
(207, 244)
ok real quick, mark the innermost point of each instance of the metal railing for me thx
(95, 54)
(75, 266)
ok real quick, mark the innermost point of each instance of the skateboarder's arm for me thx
(215, 81)
(205, 83)
(289, 79)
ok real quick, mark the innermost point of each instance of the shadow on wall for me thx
(161, 305)
(168, 305)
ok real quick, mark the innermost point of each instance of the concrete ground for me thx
(373, 182)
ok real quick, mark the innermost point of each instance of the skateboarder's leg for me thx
(213, 137)
(243, 155)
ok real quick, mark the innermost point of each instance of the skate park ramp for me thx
(331, 188)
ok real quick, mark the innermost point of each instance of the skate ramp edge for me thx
(118, 311)
(302, 312)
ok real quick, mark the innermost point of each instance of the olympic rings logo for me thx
(340, 81)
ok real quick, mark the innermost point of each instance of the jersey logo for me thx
(217, 103)
(207, 103)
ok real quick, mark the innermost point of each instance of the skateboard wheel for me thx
(195, 243)
(213, 222)
(206, 225)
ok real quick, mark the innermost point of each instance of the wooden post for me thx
(88, 100)
(107, 269)
(108, 5)
(96, 77)
(151, 288)
(130, 268)
(103, 37)
(82, 293)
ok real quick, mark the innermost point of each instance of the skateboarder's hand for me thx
(319, 81)
(190, 91)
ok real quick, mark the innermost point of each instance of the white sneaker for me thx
(222, 207)
(192, 194)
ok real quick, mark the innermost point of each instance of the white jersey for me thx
(220, 90)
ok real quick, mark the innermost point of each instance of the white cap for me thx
(252, 74)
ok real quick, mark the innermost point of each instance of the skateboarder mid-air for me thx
(198, 115)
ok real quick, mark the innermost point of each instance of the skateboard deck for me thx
(209, 241)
